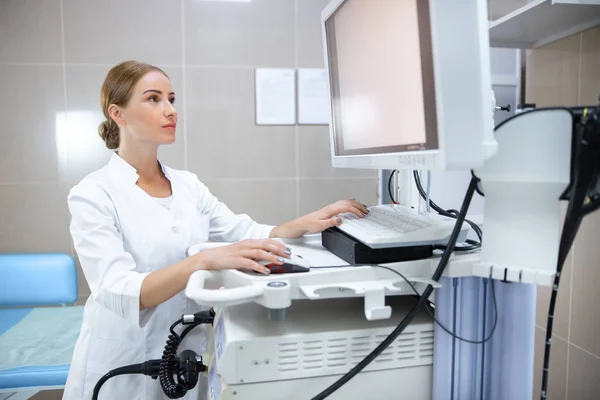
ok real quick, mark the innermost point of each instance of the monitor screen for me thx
(381, 76)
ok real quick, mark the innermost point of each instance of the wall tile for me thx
(34, 219)
(30, 31)
(111, 31)
(256, 33)
(562, 308)
(563, 300)
(317, 193)
(81, 150)
(223, 140)
(33, 100)
(557, 382)
(585, 323)
(553, 73)
(315, 155)
(590, 65)
(310, 36)
(267, 202)
(584, 370)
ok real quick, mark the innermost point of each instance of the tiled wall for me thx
(54, 55)
(567, 72)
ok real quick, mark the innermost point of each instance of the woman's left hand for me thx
(320, 220)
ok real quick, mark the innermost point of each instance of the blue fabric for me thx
(37, 279)
(55, 375)
(44, 337)
(11, 317)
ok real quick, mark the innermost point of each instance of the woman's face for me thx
(150, 115)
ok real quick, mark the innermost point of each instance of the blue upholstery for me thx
(30, 280)
(37, 279)
(11, 317)
(27, 377)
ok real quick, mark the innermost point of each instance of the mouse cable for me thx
(423, 299)
(472, 244)
(441, 211)
(454, 335)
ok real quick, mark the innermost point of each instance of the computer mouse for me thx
(293, 264)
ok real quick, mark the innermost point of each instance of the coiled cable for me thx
(172, 389)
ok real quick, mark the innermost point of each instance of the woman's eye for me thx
(172, 100)
(153, 98)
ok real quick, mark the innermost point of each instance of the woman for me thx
(132, 222)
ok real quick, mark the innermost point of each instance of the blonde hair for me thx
(117, 89)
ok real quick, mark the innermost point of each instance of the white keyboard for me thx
(398, 226)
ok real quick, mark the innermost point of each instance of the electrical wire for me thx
(148, 368)
(473, 245)
(446, 213)
(454, 335)
(416, 308)
(154, 368)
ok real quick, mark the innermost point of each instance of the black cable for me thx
(144, 367)
(171, 388)
(584, 177)
(187, 370)
(454, 335)
(149, 368)
(446, 213)
(473, 245)
(416, 308)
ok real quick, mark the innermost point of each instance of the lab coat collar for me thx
(123, 170)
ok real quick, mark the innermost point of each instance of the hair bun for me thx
(109, 132)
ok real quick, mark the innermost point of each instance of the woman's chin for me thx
(168, 139)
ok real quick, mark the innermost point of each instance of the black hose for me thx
(446, 213)
(585, 176)
(186, 365)
(172, 389)
(413, 312)
(129, 369)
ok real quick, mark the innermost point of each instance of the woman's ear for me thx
(116, 114)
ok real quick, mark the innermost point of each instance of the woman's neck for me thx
(145, 161)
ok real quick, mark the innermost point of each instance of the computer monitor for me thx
(409, 83)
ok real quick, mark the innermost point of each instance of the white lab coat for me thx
(121, 234)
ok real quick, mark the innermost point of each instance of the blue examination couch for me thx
(38, 324)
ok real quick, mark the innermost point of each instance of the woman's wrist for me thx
(197, 263)
(289, 230)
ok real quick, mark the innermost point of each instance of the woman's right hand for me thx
(244, 255)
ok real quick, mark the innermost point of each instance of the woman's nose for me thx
(171, 111)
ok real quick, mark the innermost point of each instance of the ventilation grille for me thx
(426, 344)
(346, 352)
